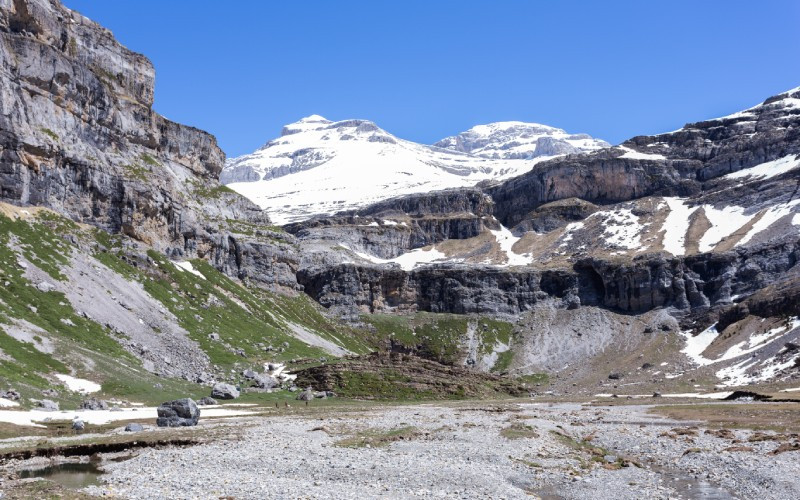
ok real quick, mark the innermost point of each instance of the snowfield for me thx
(321, 167)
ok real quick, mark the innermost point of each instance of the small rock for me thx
(249, 374)
(78, 425)
(206, 401)
(45, 286)
(134, 427)
(615, 376)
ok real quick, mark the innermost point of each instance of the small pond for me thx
(69, 475)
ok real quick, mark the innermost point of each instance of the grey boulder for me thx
(265, 381)
(306, 395)
(48, 405)
(207, 401)
(224, 391)
(134, 427)
(179, 413)
(94, 404)
(78, 425)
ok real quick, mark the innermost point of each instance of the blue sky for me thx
(427, 69)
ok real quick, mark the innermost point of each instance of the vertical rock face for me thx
(78, 135)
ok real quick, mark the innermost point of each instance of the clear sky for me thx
(424, 70)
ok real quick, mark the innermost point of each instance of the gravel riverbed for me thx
(468, 450)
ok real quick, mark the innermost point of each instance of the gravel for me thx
(457, 452)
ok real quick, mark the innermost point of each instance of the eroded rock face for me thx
(78, 135)
(685, 283)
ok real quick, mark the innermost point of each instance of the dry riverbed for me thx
(463, 450)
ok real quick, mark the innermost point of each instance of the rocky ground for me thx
(467, 450)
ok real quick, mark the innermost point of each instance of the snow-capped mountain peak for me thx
(519, 140)
(318, 166)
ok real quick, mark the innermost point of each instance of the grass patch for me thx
(373, 438)
(779, 417)
(535, 379)
(149, 160)
(440, 337)
(49, 133)
(518, 430)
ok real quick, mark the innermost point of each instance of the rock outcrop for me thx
(78, 135)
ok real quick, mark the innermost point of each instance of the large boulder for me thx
(264, 381)
(179, 413)
(224, 391)
(47, 405)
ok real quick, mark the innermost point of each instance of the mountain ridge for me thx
(355, 162)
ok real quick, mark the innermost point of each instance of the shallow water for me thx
(69, 475)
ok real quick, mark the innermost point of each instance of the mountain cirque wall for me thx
(673, 164)
(694, 220)
(78, 135)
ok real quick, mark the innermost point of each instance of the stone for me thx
(264, 381)
(44, 286)
(134, 427)
(614, 376)
(179, 413)
(47, 405)
(224, 391)
(249, 374)
(306, 395)
(94, 404)
(78, 425)
(10, 394)
(207, 401)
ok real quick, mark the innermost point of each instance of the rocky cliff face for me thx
(78, 135)
(693, 220)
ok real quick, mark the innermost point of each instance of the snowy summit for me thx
(319, 167)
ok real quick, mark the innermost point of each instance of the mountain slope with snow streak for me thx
(321, 167)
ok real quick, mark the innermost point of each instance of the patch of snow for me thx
(78, 384)
(724, 222)
(622, 228)
(756, 342)
(188, 267)
(769, 217)
(570, 228)
(32, 418)
(7, 403)
(635, 155)
(676, 225)
(697, 344)
(506, 239)
(769, 169)
(407, 261)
